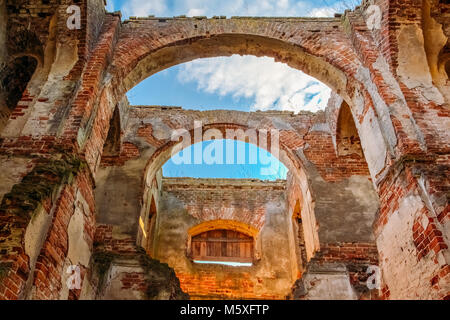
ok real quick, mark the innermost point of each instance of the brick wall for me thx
(186, 203)
(62, 189)
(122, 270)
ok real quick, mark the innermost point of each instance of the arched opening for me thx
(13, 82)
(241, 83)
(149, 234)
(300, 236)
(222, 227)
(305, 142)
(112, 144)
(347, 137)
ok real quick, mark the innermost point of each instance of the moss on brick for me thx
(159, 276)
(4, 269)
(40, 184)
(102, 262)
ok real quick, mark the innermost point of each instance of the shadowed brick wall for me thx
(186, 203)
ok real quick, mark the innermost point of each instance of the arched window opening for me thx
(347, 138)
(225, 158)
(203, 84)
(151, 222)
(13, 82)
(112, 144)
(222, 246)
(297, 219)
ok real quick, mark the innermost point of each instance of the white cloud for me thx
(230, 8)
(110, 6)
(272, 85)
(143, 8)
(196, 12)
(237, 7)
(323, 12)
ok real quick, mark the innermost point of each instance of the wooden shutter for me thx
(222, 245)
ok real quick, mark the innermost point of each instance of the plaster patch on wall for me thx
(413, 69)
(64, 293)
(280, 124)
(66, 58)
(382, 110)
(400, 104)
(3, 36)
(36, 233)
(398, 255)
(79, 250)
(322, 127)
(373, 144)
(160, 130)
(328, 286)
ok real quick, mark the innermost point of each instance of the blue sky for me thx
(209, 8)
(258, 162)
(243, 83)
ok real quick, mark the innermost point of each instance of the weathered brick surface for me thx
(104, 237)
(350, 252)
(255, 205)
(208, 285)
(357, 257)
(51, 195)
(49, 269)
(398, 101)
(220, 199)
(119, 262)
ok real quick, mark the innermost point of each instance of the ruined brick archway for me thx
(147, 46)
(147, 145)
(320, 48)
(56, 173)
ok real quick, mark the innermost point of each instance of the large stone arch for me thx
(147, 146)
(318, 47)
(284, 153)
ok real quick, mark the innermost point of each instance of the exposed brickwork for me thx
(318, 145)
(399, 106)
(142, 277)
(217, 199)
(253, 207)
(50, 264)
(332, 167)
(357, 258)
(104, 237)
(355, 252)
(206, 285)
